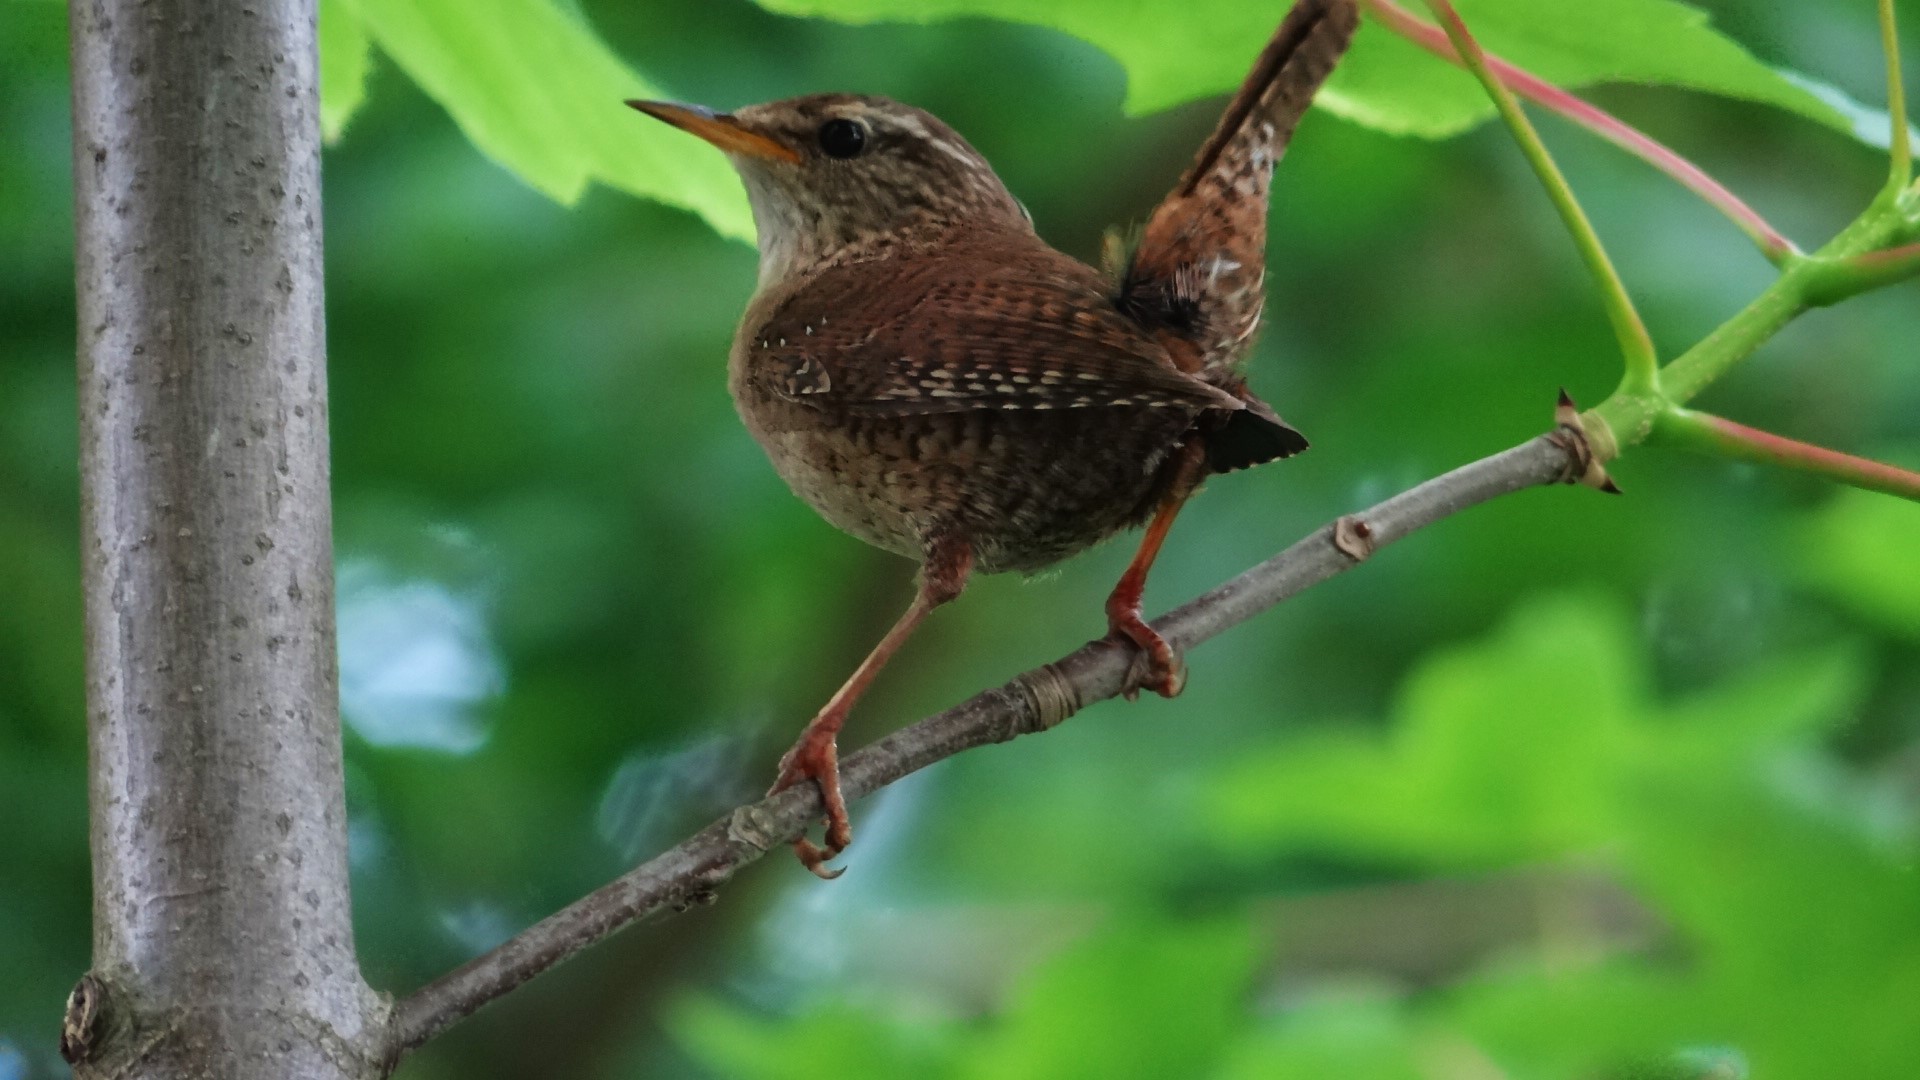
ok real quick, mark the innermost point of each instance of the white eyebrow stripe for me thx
(912, 124)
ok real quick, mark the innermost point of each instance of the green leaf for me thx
(1640, 41)
(1522, 746)
(1141, 1000)
(1503, 749)
(1861, 551)
(1870, 125)
(345, 55)
(1351, 1036)
(1204, 47)
(1787, 892)
(537, 91)
(1797, 933)
(813, 1046)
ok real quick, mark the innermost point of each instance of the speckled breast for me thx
(1025, 489)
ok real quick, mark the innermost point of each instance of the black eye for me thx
(843, 138)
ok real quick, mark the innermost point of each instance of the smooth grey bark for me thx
(223, 941)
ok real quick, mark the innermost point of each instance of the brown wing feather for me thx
(995, 324)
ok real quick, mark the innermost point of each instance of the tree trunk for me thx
(223, 940)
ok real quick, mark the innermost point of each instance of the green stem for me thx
(1829, 275)
(1636, 345)
(1858, 274)
(1877, 249)
(1900, 142)
(1724, 438)
(1771, 242)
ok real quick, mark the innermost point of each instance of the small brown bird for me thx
(936, 380)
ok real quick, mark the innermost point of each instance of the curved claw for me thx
(814, 858)
(816, 757)
(1157, 665)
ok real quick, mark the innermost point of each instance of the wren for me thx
(935, 379)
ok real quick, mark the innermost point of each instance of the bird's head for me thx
(837, 175)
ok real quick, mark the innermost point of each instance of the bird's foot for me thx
(816, 757)
(1157, 665)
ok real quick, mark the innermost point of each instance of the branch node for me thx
(696, 896)
(1570, 434)
(751, 825)
(80, 1027)
(1049, 696)
(1354, 537)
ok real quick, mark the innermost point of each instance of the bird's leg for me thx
(1156, 666)
(815, 756)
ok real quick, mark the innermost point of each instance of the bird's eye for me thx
(843, 138)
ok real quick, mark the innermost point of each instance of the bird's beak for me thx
(720, 129)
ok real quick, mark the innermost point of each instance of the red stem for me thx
(1841, 278)
(1891, 260)
(1752, 444)
(1771, 242)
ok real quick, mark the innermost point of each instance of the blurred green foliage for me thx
(1542, 745)
(1387, 82)
(536, 89)
(1567, 787)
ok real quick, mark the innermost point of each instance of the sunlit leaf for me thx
(1870, 125)
(1174, 53)
(345, 56)
(539, 92)
(1643, 41)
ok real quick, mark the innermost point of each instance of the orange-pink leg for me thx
(815, 756)
(1163, 673)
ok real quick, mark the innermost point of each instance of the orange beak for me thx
(720, 129)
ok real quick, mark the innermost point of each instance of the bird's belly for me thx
(1024, 488)
(860, 497)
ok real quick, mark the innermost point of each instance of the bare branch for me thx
(690, 872)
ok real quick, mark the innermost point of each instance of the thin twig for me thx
(1721, 437)
(690, 872)
(1899, 142)
(1636, 345)
(1771, 242)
